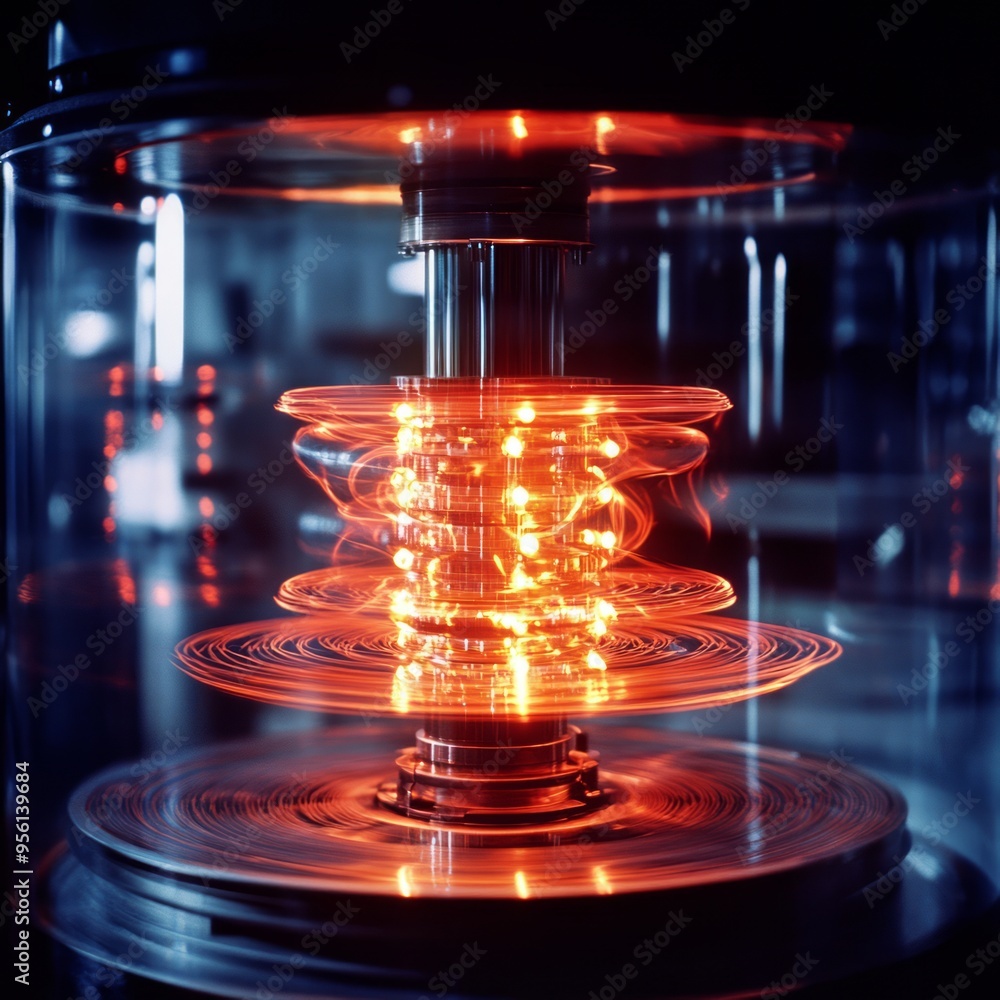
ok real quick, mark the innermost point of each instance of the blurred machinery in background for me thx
(795, 321)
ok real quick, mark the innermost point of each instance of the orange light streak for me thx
(516, 587)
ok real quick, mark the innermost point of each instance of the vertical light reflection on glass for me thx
(663, 301)
(933, 681)
(778, 372)
(755, 832)
(170, 289)
(8, 239)
(145, 308)
(993, 370)
(755, 363)
(753, 616)
(992, 313)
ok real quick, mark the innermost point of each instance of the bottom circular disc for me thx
(246, 867)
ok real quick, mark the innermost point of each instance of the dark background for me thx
(937, 68)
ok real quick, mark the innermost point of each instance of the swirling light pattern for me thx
(504, 525)
(297, 812)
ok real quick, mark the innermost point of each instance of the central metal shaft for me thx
(495, 241)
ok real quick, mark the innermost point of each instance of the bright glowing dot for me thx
(408, 135)
(204, 440)
(599, 628)
(46, 130)
(108, 524)
(610, 448)
(161, 595)
(148, 205)
(404, 440)
(403, 881)
(605, 494)
(404, 412)
(526, 414)
(601, 882)
(589, 538)
(605, 125)
(519, 496)
(403, 559)
(156, 421)
(513, 446)
(595, 661)
(110, 484)
(205, 372)
(521, 885)
(606, 610)
(520, 580)
(205, 416)
(121, 164)
(529, 545)
(608, 539)
(518, 127)
(204, 464)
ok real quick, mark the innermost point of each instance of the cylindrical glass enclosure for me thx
(168, 280)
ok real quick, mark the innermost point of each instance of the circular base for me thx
(242, 859)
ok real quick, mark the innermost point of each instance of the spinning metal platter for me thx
(231, 860)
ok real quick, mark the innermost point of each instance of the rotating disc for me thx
(237, 854)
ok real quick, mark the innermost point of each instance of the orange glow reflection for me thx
(511, 581)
